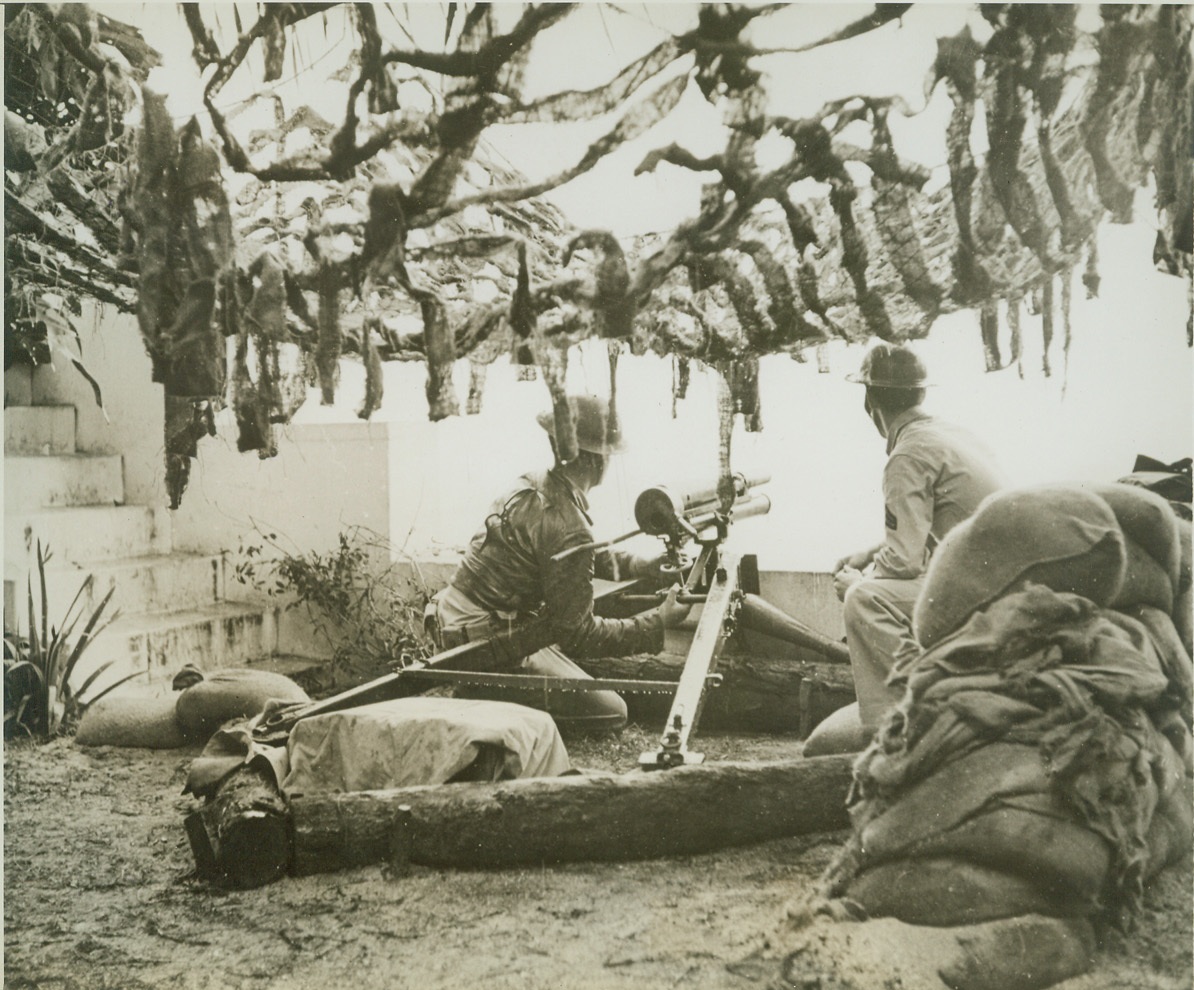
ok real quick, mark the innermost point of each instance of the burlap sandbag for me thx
(994, 807)
(1154, 553)
(228, 694)
(943, 891)
(1029, 952)
(1063, 537)
(147, 722)
(1148, 520)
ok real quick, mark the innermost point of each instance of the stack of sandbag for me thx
(1040, 760)
(197, 707)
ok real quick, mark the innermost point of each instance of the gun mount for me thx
(725, 584)
(717, 580)
(698, 517)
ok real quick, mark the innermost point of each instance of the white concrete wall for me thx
(131, 420)
(324, 479)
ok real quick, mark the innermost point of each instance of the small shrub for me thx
(39, 698)
(366, 612)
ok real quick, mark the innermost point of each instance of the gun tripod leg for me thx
(716, 617)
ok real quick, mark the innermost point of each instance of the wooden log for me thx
(757, 694)
(678, 812)
(240, 837)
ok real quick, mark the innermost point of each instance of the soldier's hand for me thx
(671, 611)
(855, 561)
(844, 579)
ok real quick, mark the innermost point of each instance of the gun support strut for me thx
(721, 603)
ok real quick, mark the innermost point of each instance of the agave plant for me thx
(39, 697)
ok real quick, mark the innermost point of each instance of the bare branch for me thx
(283, 14)
(676, 155)
(574, 104)
(486, 61)
(881, 15)
(205, 52)
(636, 121)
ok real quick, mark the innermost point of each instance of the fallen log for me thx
(757, 693)
(239, 838)
(687, 810)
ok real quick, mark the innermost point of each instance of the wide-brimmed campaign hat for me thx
(596, 430)
(891, 366)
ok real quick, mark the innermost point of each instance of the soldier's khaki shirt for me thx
(935, 477)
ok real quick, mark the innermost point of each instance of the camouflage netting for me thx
(398, 215)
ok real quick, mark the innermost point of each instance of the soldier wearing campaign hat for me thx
(936, 475)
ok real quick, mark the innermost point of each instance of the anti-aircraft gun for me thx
(726, 586)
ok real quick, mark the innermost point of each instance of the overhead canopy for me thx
(308, 239)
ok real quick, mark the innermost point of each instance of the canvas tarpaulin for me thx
(406, 742)
(419, 741)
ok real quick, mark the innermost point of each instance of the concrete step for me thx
(39, 430)
(225, 634)
(143, 584)
(84, 534)
(62, 479)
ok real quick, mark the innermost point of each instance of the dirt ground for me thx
(97, 894)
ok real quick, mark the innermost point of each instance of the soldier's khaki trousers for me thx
(878, 618)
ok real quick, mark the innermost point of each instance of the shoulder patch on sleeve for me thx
(889, 518)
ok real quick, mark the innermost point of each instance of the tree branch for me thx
(285, 14)
(881, 15)
(637, 120)
(492, 55)
(573, 104)
(205, 52)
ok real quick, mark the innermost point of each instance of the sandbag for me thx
(1147, 520)
(1029, 952)
(1183, 619)
(994, 807)
(131, 720)
(1186, 561)
(943, 891)
(1183, 605)
(840, 732)
(228, 694)
(1065, 538)
(1145, 581)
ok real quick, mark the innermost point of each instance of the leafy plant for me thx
(39, 697)
(366, 611)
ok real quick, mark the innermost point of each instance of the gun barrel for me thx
(742, 486)
(752, 505)
(657, 509)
